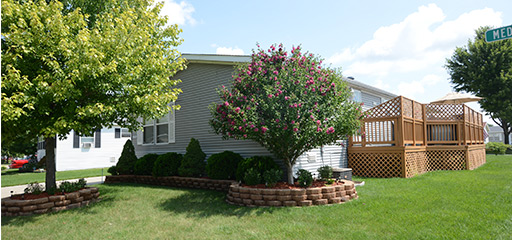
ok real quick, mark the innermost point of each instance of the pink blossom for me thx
(226, 104)
(277, 120)
(293, 122)
(264, 129)
(245, 135)
(318, 122)
(237, 109)
(286, 98)
(270, 96)
(244, 120)
(312, 117)
(330, 130)
(295, 129)
(318, 129)
(285, 127)
(252, 126)
(256, 129)
(295, 105)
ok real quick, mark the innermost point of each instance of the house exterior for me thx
(101, 149)
(496, 134)
(206, 73)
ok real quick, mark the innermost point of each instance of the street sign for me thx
(498, 34)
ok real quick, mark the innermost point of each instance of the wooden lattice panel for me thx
(415, 163)
(407, 103)
(418, 110)
(450, 112)
(446, 160)
(390, 108)
(476, 158)
(379, 165)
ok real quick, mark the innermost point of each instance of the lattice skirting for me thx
(409, 163)
(378, 165)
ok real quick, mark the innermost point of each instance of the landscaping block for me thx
(274, 203)
(310, 191)
(259, 202)
(77, 200)
(42, 210)
(62, 203)
(38, 201)
(255, 191)
(328, 195)
(283, 192)
(72, 195)
(245, 195)
(235, 188)
(237, 200)
(256, 196)
(314, 196)
(247, 201)
(268, 191)
(284, 197)
(74, 205)
(45, 205)
(269, 197)
(320, 201)
(85, 191)
(58, 209)
(13, 209)
(338, 188)
(289, 203)
(244, 190)
(327, 189)
(300, 198)
(298, 192)
(305, 203)
(335, 200)
(21, 203)
(235, 194)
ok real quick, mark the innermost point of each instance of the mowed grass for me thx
(438, 205)
(13, 177)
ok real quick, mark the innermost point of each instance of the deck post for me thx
(424, 106)
(403, 162)
(413, 125)
(400, 124)
(363, 135)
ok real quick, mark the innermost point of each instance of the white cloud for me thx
(411, 88)
(229, 51)
(424, 39)
(178, 13)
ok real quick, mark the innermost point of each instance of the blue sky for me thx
(399, 46)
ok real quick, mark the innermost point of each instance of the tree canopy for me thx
(82, 66)
(485, 69)
(287, 102)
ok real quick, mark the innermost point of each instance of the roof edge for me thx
(216, 58)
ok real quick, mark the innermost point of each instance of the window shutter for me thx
(76, 140)
(97, 139)
(172, 124)
(117, 133)
(139, 137)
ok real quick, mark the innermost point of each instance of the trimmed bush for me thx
(112, 170)
(305, 178)
(496, 148)
(272, 176)
(252, 177)
(127, 160)
(145, 164)
(193, 163)
(167, 164)
(260, 163)
(223, 165)
(325, 172)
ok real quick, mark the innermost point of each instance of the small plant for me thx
(193, 163)
(496, 148)
(167, 164)
(272, 176)
(127, 160)
(252, 177)
(260, 163)
(223, 165)
(81, 183)
(68, 187)
(325, 172)
(34, 188)
(305, 178)
(4, 168)
(113, 170)
(330, 181)
(145, 164)
(51, 191)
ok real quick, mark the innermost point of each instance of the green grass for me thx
(438, 205)
(13, 177)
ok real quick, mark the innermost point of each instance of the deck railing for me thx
(405, 122)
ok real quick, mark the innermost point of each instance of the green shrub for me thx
(496, 148)
(112, 170)
(305, 178)
(252, 177)
(223, 165)
(167, 164)
(272, 176)
(4, 168)
(127, 160)
(325, 172)
(509, 150)
(34, 188)
(68, 187)
(260, 163)
(193, 163)
(145, 164)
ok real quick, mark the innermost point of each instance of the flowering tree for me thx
(289, 103)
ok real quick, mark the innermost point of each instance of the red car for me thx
(18, 163)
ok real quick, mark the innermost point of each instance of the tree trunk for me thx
(506, 132)
(289, 172)
(50, 163)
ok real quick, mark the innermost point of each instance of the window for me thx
(122, 133)
(356, 95)
(87, 140)
(157, 131)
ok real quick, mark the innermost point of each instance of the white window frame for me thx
(125, 130)
(154, 123)
(358, 93)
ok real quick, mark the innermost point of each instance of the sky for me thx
(398, 46)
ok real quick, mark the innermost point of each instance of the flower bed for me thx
(53, 203)
(252, 197)
(174, 181)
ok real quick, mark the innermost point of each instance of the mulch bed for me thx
(30, 196)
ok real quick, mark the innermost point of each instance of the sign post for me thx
(498, 34)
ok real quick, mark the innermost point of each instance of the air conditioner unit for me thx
(87, 145)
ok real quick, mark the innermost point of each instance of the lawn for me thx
(12, 177)
(438, 205)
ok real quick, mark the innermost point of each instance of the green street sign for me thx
(498, 34)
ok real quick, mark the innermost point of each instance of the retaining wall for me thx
(84, 197)
(174, 181)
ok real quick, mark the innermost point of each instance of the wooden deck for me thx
(404, 138)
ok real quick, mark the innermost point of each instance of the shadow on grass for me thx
(12, 172)
(205, 203)
(107, 197)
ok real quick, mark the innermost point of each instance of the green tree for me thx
(193, 164)
(127, 160)
(485, 69)
(289, 103)
(64, 70)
